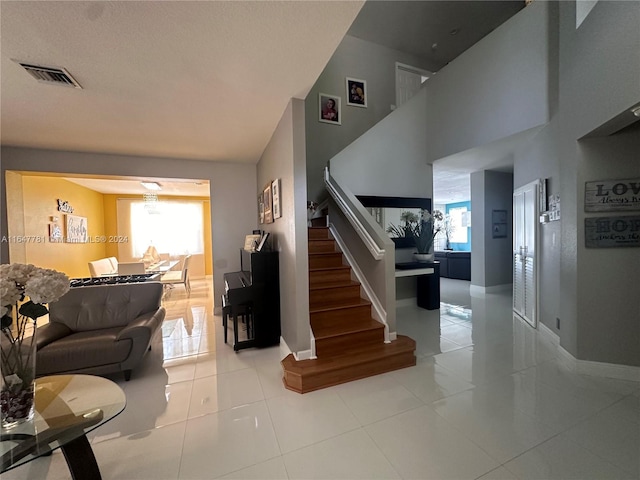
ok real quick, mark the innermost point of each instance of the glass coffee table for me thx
(67, 408)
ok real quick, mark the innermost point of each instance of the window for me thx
(459, 221)
(173, 227)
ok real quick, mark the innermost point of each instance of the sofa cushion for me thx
(105, 306)
(85, 349)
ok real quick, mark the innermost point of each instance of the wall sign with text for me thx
(606, 232)
(612, 195)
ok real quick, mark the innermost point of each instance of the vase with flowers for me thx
(24, 290)
(420, 228)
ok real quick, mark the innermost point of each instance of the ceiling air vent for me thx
(53, 75)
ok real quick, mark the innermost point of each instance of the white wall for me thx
(362, 60)
(284, 158)
(232, 187)
(497, 88)
(389, 159)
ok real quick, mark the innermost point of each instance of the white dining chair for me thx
(179, 276)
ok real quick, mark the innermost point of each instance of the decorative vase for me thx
(424, 257)
(18, 381)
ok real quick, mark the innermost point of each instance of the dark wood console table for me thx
(428, 273)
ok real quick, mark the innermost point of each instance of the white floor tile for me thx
(301, 420)
(225, 390)
(227, 441)
(430, 382)
(352, 455)
(613, 434)
(421, 444)
(561, 459)
(376, 398)
(273, 469)
(145, 455)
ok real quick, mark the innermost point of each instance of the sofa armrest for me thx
(143, 326)
(51, 332)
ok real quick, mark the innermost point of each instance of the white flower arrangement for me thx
(32, 287)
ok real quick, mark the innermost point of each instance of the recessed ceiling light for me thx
(455, 31)
(151, 185)
(636, 111)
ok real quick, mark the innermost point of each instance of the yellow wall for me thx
(111, 224)
(40, 199)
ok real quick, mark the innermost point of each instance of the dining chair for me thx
(178, 276)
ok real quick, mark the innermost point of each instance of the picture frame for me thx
(76, 229)
(263, 241)
(275, 195)
(267, 200)
(260, 208)
(329, 112)
(356, 92)
(251, 242)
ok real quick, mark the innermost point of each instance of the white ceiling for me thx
(205, 80)
(171, 187)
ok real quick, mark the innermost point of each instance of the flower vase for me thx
(17, 391)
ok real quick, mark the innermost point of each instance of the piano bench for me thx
(235, 311)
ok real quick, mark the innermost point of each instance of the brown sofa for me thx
(100, 329)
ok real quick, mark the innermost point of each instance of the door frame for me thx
(408, 68)
(535, 224)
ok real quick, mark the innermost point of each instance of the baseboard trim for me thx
(478, 290)
(587, 367)
(285, 350)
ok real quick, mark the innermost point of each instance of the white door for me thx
(525, 237)
(408, 82)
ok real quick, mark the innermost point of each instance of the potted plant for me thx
(420, 228)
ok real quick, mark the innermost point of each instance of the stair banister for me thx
(349, 209)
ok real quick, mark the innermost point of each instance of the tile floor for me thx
(487, 400)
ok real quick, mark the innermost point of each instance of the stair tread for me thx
(338, 304)
(402, 344)
(319, 254)
(326, 269)
(348, 283)
(330, 331)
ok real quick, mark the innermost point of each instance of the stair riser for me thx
(305, 384)
(326, 277)
(318, 234)
(326, 347)
(325, 261)
(318, 298)
(321, 246)
(341, 316)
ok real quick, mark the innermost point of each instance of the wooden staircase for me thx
(349, 342)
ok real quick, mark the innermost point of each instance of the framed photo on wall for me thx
(266, 198)
(329, 108)
(275, 195)
(356, 92)
(260, 208)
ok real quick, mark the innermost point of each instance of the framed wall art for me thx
(356, 92)
(266, 199)
(275, 195)
(77, 231)
(260, 208)
(329, 108)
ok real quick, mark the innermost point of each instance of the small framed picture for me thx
(329, 108)
(261, 208)
(275, 195)
(266, 199)
(356, 92)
